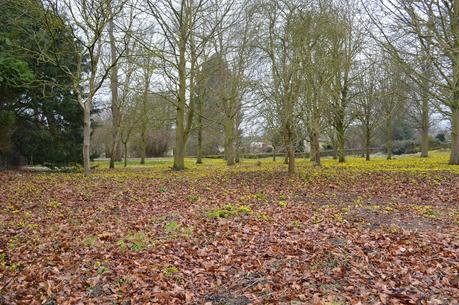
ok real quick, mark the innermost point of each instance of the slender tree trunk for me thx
(237, 157)
(199, 148)
(229, 141)
(312, 147)
(389, 142)
(425, 139)
(425, 113)
(179, 152)
(125, 154)
(86, 137)
(274, 154)
(315, 144)
(238, 146)
(340, 139)
(143, 145)
(367, 143)
(114, 152)
(315, 139)
(288, 139)
(454, 157)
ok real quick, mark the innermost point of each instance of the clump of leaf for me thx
(230, 210)
(170, 271)
(136, 241)
(192, 198)
(54, 204)
(90, 241)
(282, 203)
(176, 229)
(100, 268)
(426, 210)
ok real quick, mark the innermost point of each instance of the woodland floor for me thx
(378, 232)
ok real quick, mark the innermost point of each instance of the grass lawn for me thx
(363, 232)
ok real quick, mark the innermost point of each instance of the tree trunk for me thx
(367, 143)
(315, 147)
(238, 146)
(425, 139)
(389, 143)
(288, 139)
(229, 141)
(179, 152)
(340, 139)
(125, 154)
(425, 121)
(86, 138)
(454, 158)
(274, 154)
(312, 148)
(143, 145)
(199, 149)
(114, 152)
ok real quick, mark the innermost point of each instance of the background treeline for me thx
(144, 78)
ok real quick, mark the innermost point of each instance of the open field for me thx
(377, 232)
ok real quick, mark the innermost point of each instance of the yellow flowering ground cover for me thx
(362, 232)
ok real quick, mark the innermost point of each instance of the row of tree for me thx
(296, 69)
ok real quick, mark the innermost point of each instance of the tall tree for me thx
(88, 19)
(431, 28)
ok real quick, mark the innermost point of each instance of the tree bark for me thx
(179, 152)
(389, 141)
(229, 141)
(425, 114)
(125, 154)
(340, 139)
(367, 143)
(86, 137)
(143, 145)
(199, 148)
(315, 148)
(454, 157)
(425, 128)
(115, 107)
(288, 139)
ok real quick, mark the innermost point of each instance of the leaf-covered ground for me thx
(378, 232)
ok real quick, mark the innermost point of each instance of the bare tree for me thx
(87, 19)
(186, 27)
(428, 29)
